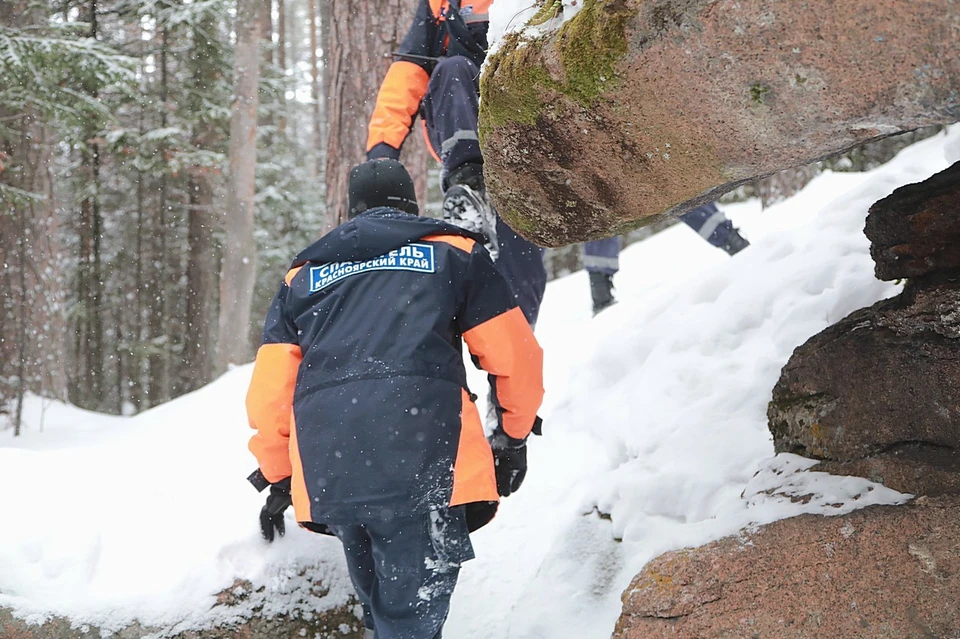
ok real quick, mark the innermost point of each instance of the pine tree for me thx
(238, 274)
(53, 76)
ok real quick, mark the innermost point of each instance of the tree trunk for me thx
(267, 55)
(239, 252)
(202, 220)
(157, 293)
(90, 360)
(355, 67)
(32, 314)
(282, 65)
(199, 345)
(318, 132)
(296, 30)
(139, 285)
(266, 33)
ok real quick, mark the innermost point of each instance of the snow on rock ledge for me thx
(236, 621)
(636, 109)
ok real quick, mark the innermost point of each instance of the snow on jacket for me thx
(359, 391)
(440, 28)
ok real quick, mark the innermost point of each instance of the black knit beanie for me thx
(381, 182)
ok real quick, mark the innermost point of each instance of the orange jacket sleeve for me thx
(397, 104)
(503, 343)
(270, 396)
(506, 348)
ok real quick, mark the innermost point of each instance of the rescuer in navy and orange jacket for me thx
(360, 401)
(361, 367)
(442, 31)
(436, 73)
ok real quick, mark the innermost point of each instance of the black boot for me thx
(466, 205)
(470, 174)
(601, 290)
(734, 243)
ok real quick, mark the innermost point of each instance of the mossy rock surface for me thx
(637, 109)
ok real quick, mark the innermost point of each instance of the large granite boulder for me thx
(883, 384)
(878, 394)
(635, 109)
(915, 230)
(884, 572)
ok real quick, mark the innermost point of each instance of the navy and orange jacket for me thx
(440, 28)
(359, 391)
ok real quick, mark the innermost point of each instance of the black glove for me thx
(511, 468)
(510, 461)
(271, 515)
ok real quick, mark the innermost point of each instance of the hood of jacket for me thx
(373, 233)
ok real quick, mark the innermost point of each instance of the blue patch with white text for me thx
(418, 258)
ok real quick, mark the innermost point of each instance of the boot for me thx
(470, 174)
(465, 204)
(601, 290)
(734, 243)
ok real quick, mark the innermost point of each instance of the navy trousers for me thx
(450, 110)
(404, 570)
(710, 223)
(603, 256)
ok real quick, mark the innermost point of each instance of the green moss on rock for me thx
(758, 92)
(517, 84)
(512, 88)
(590, 45)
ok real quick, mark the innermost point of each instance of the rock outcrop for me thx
(878, 393)
(915, 231)
(335, 623)
(881, 384)
(636, 109)
(884, 572)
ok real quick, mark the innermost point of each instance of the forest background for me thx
(162, 161)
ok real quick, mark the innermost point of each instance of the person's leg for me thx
(713, 226)
(359, 554)
(450, 110)
(601, 258)
(521, 264)
(417, 561)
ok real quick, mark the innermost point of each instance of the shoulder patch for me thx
(418, 258)
(463, 243)
(292, 273)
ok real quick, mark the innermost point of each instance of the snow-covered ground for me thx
(654, 418)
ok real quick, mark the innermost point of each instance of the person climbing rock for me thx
(436, 73)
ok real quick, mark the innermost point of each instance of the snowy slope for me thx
(654, 416)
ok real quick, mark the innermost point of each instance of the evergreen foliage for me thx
(135, 95)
